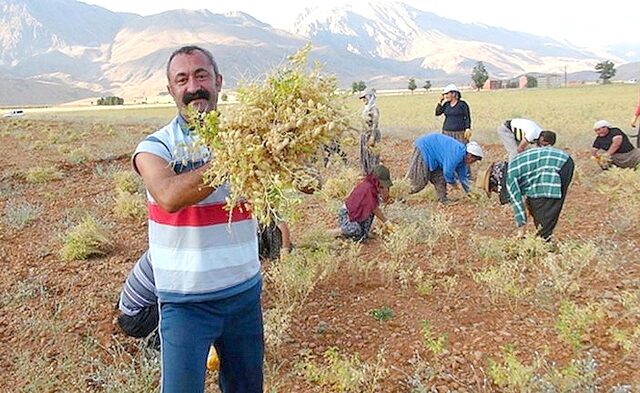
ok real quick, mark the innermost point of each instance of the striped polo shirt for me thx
(139, 291)
(198, 253)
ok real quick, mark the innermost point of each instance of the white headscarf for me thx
(370, 95)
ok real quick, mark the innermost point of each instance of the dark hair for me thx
(188, 50)
(548, 136)
(457, 94)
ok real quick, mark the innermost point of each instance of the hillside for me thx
(75, 47)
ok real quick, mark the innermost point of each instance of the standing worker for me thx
(205, 258)
(370, 134)
(457, 115)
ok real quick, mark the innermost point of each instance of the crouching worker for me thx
(613, 147)
(535, 180)
(440, 159)
(355, 218)
(138, 306)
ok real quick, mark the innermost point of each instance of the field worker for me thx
(535, 180)
(613, 147)
(138, 305)
(636, 116)
(355, 217)
(439, 159)
(517, 134)
(205, 263)
(457, 115)
(370, 134)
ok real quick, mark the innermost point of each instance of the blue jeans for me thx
(233, 324)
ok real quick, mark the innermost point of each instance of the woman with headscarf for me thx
(356, 215)
(457, 115)
(370, 134)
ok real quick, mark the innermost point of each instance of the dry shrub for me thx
(87, 239)
(342, 373)
(339, 185)
(127, 181)
(400, 189)
(20, 215)
(622, 189)
(130, 206)
(42, 174)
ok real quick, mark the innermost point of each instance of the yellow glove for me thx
(467, 134)
(388, 227)
(212, 361)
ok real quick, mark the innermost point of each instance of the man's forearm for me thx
(183, 190)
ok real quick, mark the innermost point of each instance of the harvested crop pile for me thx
(265, 146)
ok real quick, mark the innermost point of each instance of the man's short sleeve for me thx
(155, 145)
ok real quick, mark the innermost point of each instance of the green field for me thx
(570, 112)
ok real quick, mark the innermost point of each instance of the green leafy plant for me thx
(382, 314)
(435, 344)
(573, 321)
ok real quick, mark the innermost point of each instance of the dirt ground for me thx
(57, 331)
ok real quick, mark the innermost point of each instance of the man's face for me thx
(602, 131)
(193, 83)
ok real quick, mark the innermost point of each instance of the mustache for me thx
(198, 94)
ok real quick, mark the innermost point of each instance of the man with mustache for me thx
(205, 264)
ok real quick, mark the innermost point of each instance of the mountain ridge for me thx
(87, 49)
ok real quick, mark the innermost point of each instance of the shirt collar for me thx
(184, 125)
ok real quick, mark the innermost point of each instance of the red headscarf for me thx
(363, 200)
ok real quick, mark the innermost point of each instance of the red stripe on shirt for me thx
(197, 215)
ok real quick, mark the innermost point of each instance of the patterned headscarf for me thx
(498, 180)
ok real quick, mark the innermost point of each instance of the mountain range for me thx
(54, 51)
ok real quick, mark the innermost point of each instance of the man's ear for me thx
(219, 82)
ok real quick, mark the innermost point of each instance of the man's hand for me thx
(520, 233)
(467, 134)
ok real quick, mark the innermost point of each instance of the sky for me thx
(595, 25)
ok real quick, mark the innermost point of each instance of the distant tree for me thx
(412, 85)
(110, 100)
(479, 75)
(532, 81)
(358, 86)
(607, 71)
(224, 97)
(427, 85)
